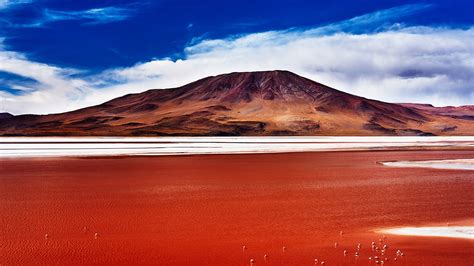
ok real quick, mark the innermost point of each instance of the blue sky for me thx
(77, 53)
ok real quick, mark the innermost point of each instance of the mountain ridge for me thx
(274, 102)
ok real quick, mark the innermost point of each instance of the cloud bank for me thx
(392, 62)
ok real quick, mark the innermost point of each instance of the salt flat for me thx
(458, 164)
(139, 146)
(438, 231)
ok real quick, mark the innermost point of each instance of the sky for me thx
(58, 56)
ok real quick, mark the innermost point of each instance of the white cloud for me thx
(92, 16)
(54, 90)
(394, 64)
(11, 3)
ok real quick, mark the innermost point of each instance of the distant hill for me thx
(247, 103)
(5, 115)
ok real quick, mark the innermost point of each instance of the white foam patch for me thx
(139, 146)
(441, 231)
(459, 164)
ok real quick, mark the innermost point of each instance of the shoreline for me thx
(123, 156)
(77, 147)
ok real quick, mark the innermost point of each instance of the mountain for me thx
(460, 112)
(248, 103)
(5, 115)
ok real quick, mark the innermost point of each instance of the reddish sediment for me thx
(201, 210)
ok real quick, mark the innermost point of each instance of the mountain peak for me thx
(260, 72)
(273, 77)
(260, 85)
(264, 74)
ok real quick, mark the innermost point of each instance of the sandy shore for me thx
(201, 210)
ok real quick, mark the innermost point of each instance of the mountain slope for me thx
(5, 115)
(248, 103)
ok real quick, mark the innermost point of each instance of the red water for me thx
(201, 210)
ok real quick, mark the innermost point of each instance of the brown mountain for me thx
(249, 103)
